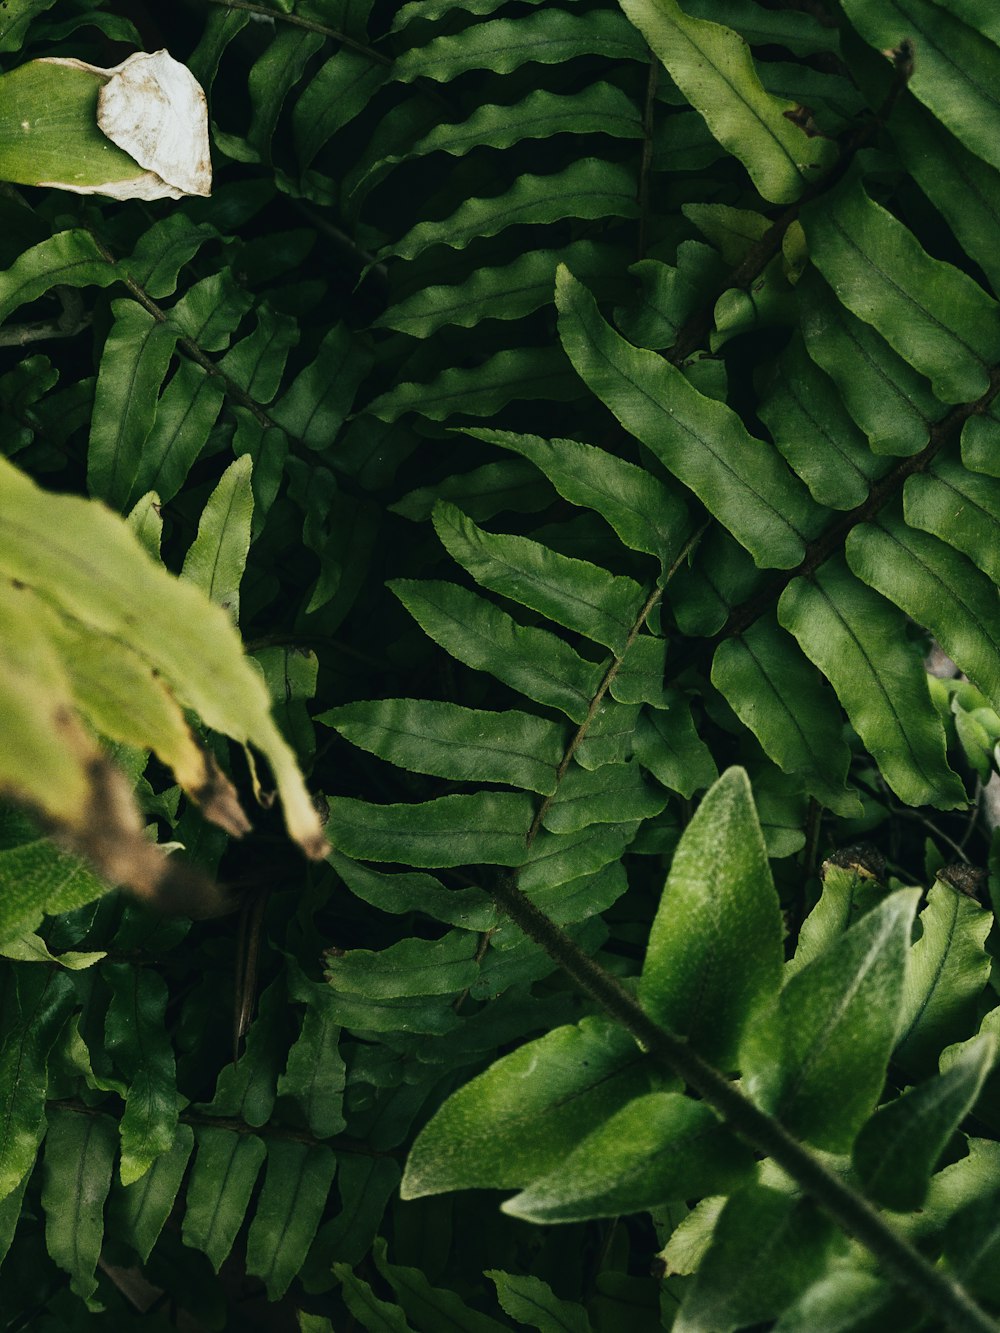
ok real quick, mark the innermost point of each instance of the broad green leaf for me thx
(530, 1301)
(958, 183)
(216, 559)
(67, 259)
(485, 828)
(847, 1297)
(668, 746)
(45, 541)
(608, 738)
(163, 250)
(256, 362)
(668, 296)
(858, 640)
(79, 1154)
(641, 676)
(897, 1150)
(188, 409)
(714, 954)
(584, 597)
(767, 1248)
(36, 1003)
(16, 19)
(588, 188)
(133, 365)
(600, 108)
(271, 79)
(135, 1034)
(532, 661)
(936, 317)
(503, 45)
(510, 484)
(559, 858)
(145, 518)
(31, 948)
(36, 878)
(434, 9)
(817, 1058)
(210, 311)
(955, 69)
(938, 588)
(320, 397)
(612, 794)
(830, 917)
(890, 401)
(744, 482)
(814, 431)
(469, 908)
(960, 506)
(11, 1212)
(453, 742)
(428, 1306)
(518, 373)
(138, 1212)
(972, 1246)
(225, 1170)
(713, 68)
(291, 1204)
(777, 694)
(661, 1146)
(948, 967)
(520, 1118)
(373, 1315)
(645, 515)
(336, 93)
(508, 291)
(412, 967)
(314, 1074)
(732, 231)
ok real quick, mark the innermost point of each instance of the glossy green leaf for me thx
(645, 515)
(713, 67)
(454, 742)
(857, 639)
(523, 373)
(372, 1314)
(185, 414)
(518, 1120)
(137, 1212)
(560, 858)
(138, 1042)
(954, 72)
(817, 1058)
(163, 250)
(320, 397)
(891, 402)
(714, 954)
(938, 588)
(135, 360)
(947, 969)
(532, 661)
(336, 93)
(589, 188)
(777, 694)
(291, 1204)
(36, 1003)
(767, 1248)
(742, 481)
(79, 1154)
(507, 292)
(813, 430)
(897, 1150)
(668, 746)
(486, 827)
(614, 793)
(503, 45)
(658, 1147)
(830, 917)
(217, 557)
(314, 1074)
(960, 506)
(211, 310)
(511, 484)
(469, 908)
(67, 259)
(532, 1302)
(936, 317)
(410, 968)
(225, 1171)
(429, 1306)
(574, 593)
(256, 362)
(36, 878)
